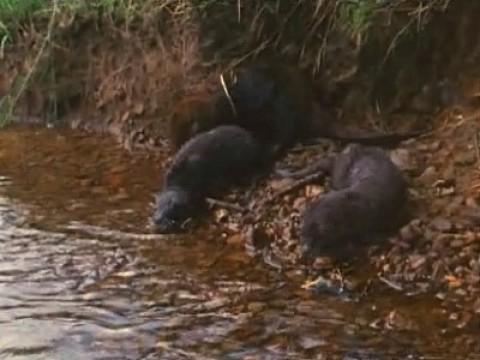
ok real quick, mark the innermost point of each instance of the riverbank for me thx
(120, 70)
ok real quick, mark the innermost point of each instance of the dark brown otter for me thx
(276, 103)
(205, 165)
(368, 195)
(271, 102)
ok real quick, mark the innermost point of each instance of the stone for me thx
(441, 224)
(428, 176)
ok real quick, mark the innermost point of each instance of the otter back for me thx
(214, 159)
(368, 193)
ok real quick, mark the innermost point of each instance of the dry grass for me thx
(202, 34)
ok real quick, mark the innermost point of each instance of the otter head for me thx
(317, 240)
(173, 207)
(323, 229)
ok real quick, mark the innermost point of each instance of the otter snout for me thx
(172, 210)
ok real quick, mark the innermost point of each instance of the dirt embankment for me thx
(125, 76)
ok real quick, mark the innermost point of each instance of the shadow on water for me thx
(66, 295)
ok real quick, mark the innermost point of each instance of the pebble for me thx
(453, 317)
(465, 158)
(441, 224)
(471, 202)
(308, 343)
(457, 243)
(454, 205)
(428, 176)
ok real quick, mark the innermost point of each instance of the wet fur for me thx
(368, 194)
(205, 165)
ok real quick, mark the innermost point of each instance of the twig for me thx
(45, 41)
(391, 283)
(227, 94)
(239, 10)
(295, 185)
(226, 205)
(262, 211)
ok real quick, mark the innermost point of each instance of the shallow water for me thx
(65, 294)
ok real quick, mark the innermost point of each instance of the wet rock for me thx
(441, 224)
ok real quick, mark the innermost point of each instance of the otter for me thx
(276, 103)
(269, 101)
(205, 165)
(368, 194)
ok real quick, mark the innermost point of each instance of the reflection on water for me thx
(65, 294)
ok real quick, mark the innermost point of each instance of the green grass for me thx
(357, 15)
